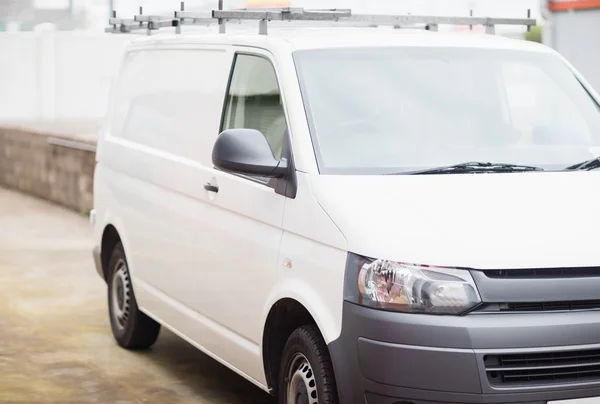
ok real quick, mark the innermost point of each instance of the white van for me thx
(358, 215)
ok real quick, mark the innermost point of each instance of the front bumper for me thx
(391, 358)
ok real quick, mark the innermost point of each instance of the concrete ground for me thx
(55, 340)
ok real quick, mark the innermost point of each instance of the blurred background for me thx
(56, 63)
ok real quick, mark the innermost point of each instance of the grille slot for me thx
(581, 272)
(543, 368)
(551, 306)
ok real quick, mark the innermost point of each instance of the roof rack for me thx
(150, 23)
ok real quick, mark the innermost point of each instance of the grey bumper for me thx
(388, 358)
(98, 262)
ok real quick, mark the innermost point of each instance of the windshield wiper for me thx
(476, 167)
(586, 165)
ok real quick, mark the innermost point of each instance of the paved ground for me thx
(55, 340)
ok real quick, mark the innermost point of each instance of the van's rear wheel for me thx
(132, 328)
(306, 374)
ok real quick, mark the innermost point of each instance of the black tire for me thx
(306, 344)
(131, 328)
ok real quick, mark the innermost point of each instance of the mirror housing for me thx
(246, 151)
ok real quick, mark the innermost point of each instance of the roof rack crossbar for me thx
(284, 14)
(140, 22)
(265, 15)
(190, 15)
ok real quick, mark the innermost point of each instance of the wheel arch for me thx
(284, 316)
(110, 238)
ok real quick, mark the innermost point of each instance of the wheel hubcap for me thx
(301, 382)
(121, 291)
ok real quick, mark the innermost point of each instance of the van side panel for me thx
(164, 122)
(156, 156)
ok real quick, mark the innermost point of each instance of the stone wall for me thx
(49, 165)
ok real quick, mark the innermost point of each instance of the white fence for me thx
(56, 76)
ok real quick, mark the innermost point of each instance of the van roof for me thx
(336, 37)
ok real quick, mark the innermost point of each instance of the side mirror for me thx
(246, 151)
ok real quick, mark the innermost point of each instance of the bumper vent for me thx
(543, 368)
(582, 272)
(550, 306)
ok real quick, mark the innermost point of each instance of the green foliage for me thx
(535, 34)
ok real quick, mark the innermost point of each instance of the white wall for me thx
(65, 76)
(62, 76)
(576, 35)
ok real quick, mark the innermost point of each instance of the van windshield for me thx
(391, 110)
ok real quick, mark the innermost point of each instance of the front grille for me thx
(551, 306)
(581, 272)
(543, 368)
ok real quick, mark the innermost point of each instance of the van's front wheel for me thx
(306, 374)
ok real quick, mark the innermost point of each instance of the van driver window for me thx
(254, 101)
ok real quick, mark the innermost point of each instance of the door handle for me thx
(211, 188)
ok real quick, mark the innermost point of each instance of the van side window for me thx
(254, 101)
(165, 100)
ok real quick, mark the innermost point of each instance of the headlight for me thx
(415, 288)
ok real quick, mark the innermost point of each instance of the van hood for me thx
(485, 221)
